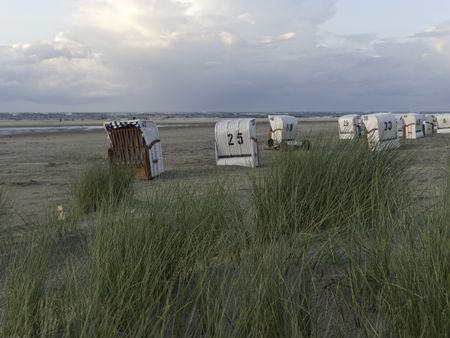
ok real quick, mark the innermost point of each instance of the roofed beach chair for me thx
(135, 143)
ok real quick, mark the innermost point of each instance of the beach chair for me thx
(136, 144)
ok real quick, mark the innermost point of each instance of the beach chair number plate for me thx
(240, 139)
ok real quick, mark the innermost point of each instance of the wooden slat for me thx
(112, 146)
(135, 144)
(129, 148)
(122, 143)
(137, 148)
(120, 154)
(126, 137)
(126, 150)
(128, 140)
(130, 135)
(116, 144)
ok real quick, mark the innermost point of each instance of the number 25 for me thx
(240, 139)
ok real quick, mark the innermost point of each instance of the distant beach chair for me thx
(400, 124)
(284, 134)
(236, 143)
(349, 127)
(413, 127)
(381, 131)
(430, 124)
(136, 144)
(283, 130)
(443, 123)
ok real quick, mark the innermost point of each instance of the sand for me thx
(36, 169)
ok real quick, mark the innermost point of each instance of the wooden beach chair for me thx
(136, 144)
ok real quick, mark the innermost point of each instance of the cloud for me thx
(60, 71)
(270, 41)
(162, 54)
(219, 59)
(168, 23)
(185, 55)
(247, 18)
(228, 38)
(442, 30)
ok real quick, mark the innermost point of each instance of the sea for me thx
(10, 123)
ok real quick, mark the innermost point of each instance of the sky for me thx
(224, 55)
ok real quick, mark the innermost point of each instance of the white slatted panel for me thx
(443, 123)
(381, 131)
(236, 142)
(413, 125)
(284, 129)
(349, 127)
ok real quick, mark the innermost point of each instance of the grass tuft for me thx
(101, 185)
(3, 201)
(333, 185)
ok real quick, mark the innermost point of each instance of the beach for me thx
(37, 167)
(326, 221)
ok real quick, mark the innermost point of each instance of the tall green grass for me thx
(333, 185)
(142, 254)
(3, 201)
(417, 300)
(101, 184)
(4, 205)
(32, 297)
(398, 274)
(183, 264)
(330, 244)
(26, 304)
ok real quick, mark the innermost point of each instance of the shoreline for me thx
(172, 120)
(15, 128)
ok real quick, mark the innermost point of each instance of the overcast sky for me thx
(224, 55)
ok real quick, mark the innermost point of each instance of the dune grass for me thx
(3, 200)
(155, 249)
(101, 184)
(26, 304)
(331, 243)
(398, 273)
(4, 205)
(333, 185)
